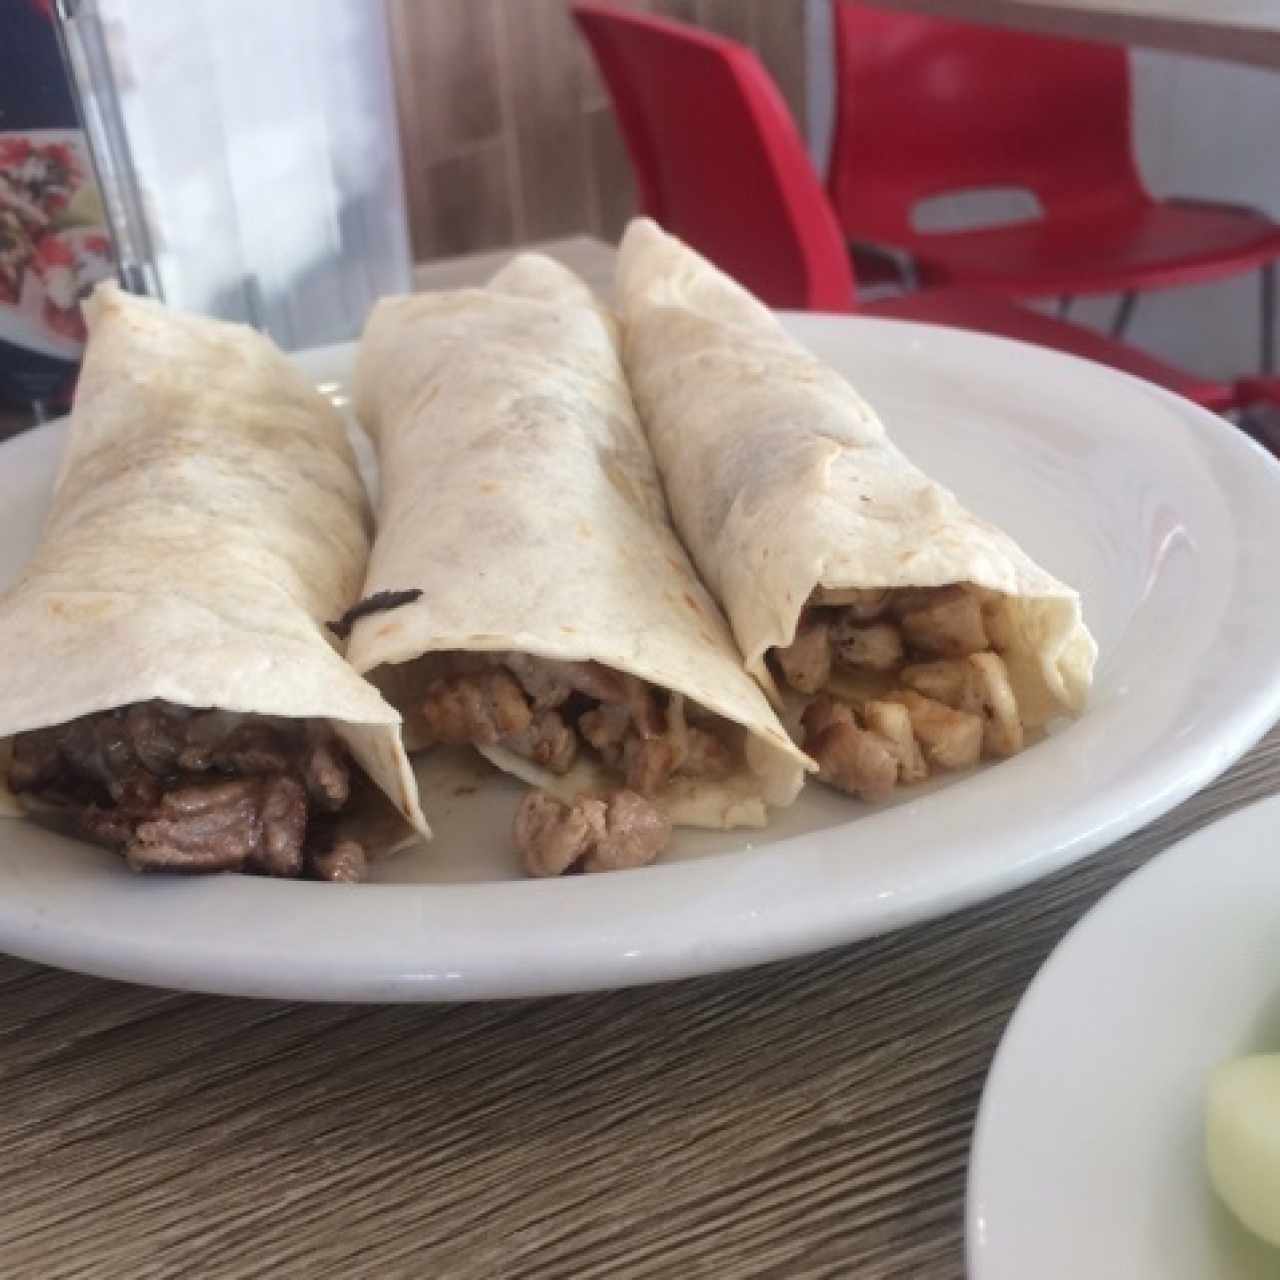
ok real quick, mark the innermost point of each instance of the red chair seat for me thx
(1251, 391)
(987, 314)
(1147, 247)
(928, 106)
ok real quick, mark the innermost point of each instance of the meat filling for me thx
(901, 683)
(591, 834)
(176, 789)
(550, 712)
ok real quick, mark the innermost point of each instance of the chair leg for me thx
(1124, 313)
(1064, 305)
(1268, 326)
(906, 268)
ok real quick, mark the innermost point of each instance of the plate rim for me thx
(1115, 902)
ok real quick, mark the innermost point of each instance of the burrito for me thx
(538, 605)
(908, 635)
(169, 686)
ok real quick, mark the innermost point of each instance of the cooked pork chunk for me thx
(547, 741)
(950, 739)
(806, 661)
(987, 692)
(705, 756)
(978, 683)
(876, 646)
(949, 628)
(849, 757)
(893, 723)
(919, 677)
(592, 834)
(481, 708)
(551, 837)
(648, 763)
(635, 833)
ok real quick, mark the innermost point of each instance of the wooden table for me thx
(1236, 30)
(803, 1120)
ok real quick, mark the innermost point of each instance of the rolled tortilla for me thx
(208, 519)
(520, 498)
(787, 491)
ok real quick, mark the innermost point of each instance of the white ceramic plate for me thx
(1088, 1158)
(1166, 518)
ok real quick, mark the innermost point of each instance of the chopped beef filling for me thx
(345, 863)
(175, 789)
(550, 712)
(900, 683)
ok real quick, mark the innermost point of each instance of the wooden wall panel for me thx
(545, 83)
(453, 128)
(612, 186)
(506, 131)
(468, 202)
(733, 18)
(779, 36)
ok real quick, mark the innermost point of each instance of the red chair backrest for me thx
(717, 157)
(927, 105)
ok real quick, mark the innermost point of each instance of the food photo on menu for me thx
(638, 641)
(54, 242)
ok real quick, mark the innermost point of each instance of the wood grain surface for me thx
(805, 1119)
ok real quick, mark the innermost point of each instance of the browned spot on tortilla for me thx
(80, 609)
(465, 790)
(622, 483)
(489, 486)
(584, 529)
(692, 603)
(388, 629)
(571, 630)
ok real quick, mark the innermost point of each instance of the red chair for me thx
(1256, 391)
(719, 163)
(928, 106)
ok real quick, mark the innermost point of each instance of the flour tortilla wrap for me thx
(519, 497)
(207, 520)
(784, 486)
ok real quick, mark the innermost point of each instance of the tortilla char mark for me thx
(379, 602)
